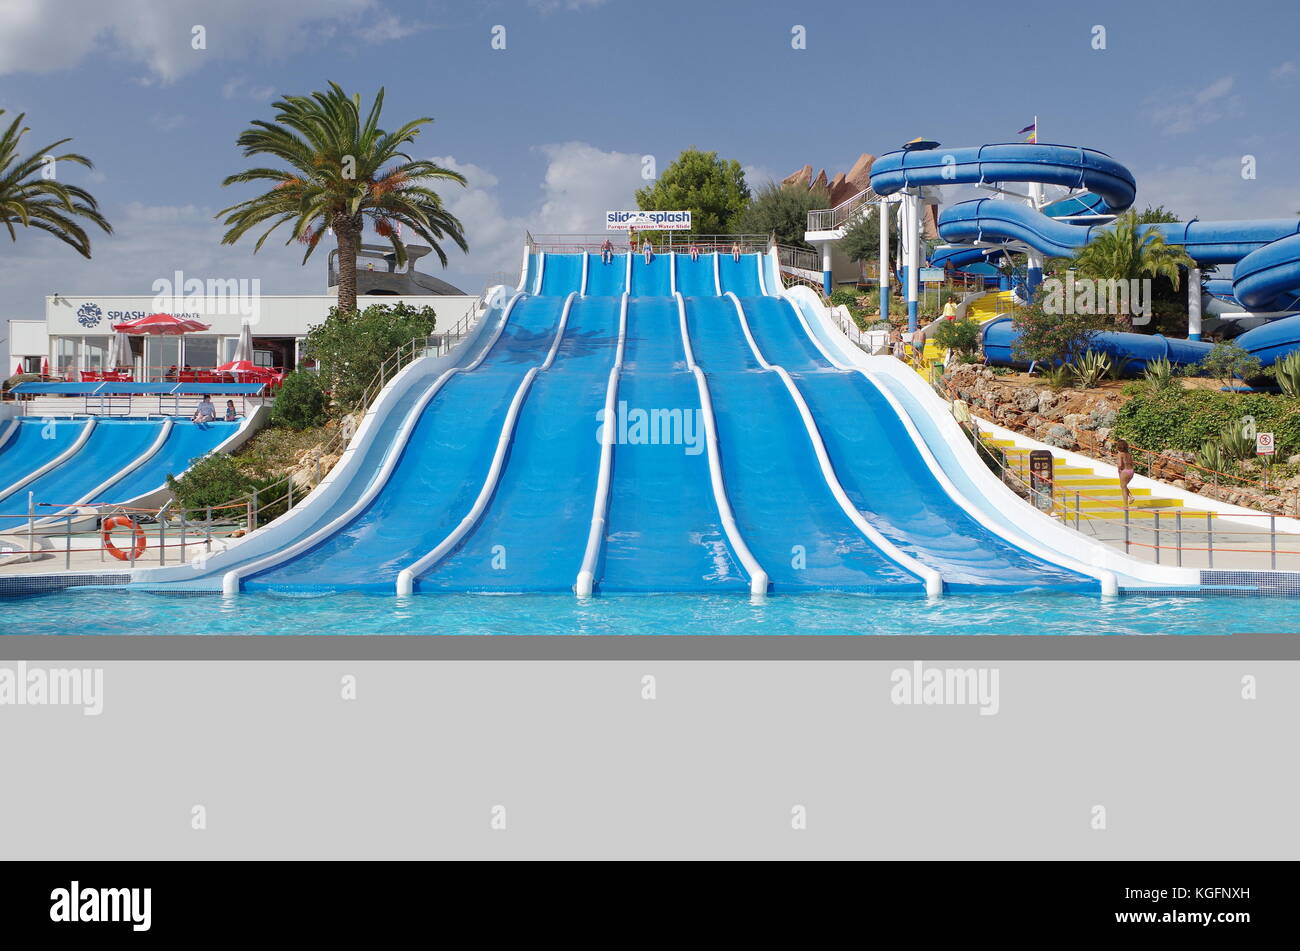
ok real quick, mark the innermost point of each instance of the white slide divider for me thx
(1021, 523)
(126, 470)
(758, 579)
(586, 263)
(627, 277)
(762, 283)
(717, 273)
(932, 578)
(230, 581)
(541, 269)
(600, 509)
(9, 433)
(672, 272)
(54, 463)
(1107, 579)
(523, 269)
(406, 577)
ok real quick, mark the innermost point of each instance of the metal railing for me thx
(831, 219)
(1162, 535)
(678, 241)
(801, 258)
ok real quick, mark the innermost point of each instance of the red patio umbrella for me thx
(166, 325)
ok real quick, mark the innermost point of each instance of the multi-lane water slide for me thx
(682, 425)
(1265, 254)
(61, 465)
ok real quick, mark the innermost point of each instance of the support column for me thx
(884, 260)
(1194, 303)
(828, 282)
(1034, 275)
(911, 205)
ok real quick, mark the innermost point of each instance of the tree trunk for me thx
(347, 232)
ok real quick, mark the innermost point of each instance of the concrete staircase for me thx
(1082, 491)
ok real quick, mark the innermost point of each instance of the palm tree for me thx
(30, 199)
(343, 171)
(1129, 250)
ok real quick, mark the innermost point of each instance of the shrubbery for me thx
(300, 403)
(1188, 419)
(213, 480)
(963, 336)
(350, 347)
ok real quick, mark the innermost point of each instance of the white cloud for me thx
(1285, 72)
(389, 28)
(148, 242)
(1179, 112)
(551, 6)
(757, 176)
(580, 184)
(43, 36)
(1211, 188)
(241, 87)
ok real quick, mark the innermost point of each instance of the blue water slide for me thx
(697, 278)
(783, 506)
(663, 531)
(112, 446)
(653, 279)
(533, 534)
(1063, 165)
(37, 442)
(187, 442)
(740, 277)
(999, 337)
(561, 274)
(438, 475)
(883, 473)
(606, 280)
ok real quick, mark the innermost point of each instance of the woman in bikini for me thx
(1124, 463)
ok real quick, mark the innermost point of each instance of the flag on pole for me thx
(1032, 129)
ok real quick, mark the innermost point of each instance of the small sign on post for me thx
(1040, 478)
(1264, 445)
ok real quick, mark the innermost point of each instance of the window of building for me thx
(201, 351)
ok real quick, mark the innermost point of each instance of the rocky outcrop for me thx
(1082, 421)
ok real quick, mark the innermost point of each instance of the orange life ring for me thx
(123, 521)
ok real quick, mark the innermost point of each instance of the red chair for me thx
(92, 376)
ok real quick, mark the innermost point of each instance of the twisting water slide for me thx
(1264, 254)
(678, 425)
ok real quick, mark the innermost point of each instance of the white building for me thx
(77, 329)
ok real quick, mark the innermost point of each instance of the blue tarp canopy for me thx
(139, 389)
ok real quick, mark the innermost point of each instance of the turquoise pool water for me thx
(114, 611)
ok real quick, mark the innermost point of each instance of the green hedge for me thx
(1186, 419)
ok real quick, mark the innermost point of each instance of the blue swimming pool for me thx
(114, 611)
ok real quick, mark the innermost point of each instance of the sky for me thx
(552, 130)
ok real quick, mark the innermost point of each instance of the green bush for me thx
(1090, 369)
(1159, 377)
(212, 480)
(351, 346)
(960, 335)
(1227, 361)
(300, 403)
(1187, 419)
(844, 297)
(1287, 373)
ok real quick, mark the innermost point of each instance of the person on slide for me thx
(607, 252)
(648, 250)
(735, 253)
(694, 252)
